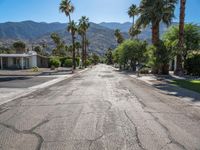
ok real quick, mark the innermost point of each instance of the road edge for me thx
(43, 86)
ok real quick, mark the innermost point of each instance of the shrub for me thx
(68, 63)
(77, 61)
(88, 62)
(62, 60)
(144, 71)
(55, 62)
(35, 69)
(192, 64)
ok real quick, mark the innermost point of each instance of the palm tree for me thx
(118, 36)
(78, 46)
(132, 12)
(72, 28)
(133, 31)
(153, 12)
(67, 8)
(83, 27)
(179, 68)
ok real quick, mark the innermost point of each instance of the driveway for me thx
(23, 81)
(100, 109)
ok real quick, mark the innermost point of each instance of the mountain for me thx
(101, 36)
(124, 27)
(33, 33)
(27, 29)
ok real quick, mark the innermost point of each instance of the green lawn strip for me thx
(193, 85)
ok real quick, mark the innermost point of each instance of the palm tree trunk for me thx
(74, 52)
(73, 46)
(155, 32)
(132, 37)
(83, 62)
(85, 50)
(155, 40)
(179, 67)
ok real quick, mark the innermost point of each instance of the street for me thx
(100, 109)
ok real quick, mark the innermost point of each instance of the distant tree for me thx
(19, 46)
(130, 52)
(67, 8)
(95, 58)
(72, 28)
(78, 46)
(179, 63)
(118, 36)
(134, 32)
(191, 39)
(60, 46)
(132, 12)
(6, 50)
(153, 12)
(82, 29)
(109, 57)
(39, 50)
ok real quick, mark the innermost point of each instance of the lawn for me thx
(193, 85)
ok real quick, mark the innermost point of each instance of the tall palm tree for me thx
(82, 30)
(77, 46)
(153, 12)
(179, 68)
(118, 36)
(67, 8)
(72, 28)
(132, 12)
(134, 32)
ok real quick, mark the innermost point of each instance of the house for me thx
(25, 60)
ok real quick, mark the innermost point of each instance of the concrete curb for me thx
(42, 86)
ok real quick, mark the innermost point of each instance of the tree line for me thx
(181, 42)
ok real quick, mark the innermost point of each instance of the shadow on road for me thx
(167, 88)
(7, 79)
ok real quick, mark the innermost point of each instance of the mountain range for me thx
(101, 36)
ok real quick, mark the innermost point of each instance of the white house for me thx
(23, 61)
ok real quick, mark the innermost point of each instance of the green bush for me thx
(35, 69)
(63, 59)
(192, 65)
(88, 62)
(144, 71)
(68, 63)
(77, 61)
(55, 62)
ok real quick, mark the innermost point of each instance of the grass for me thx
(193, 85)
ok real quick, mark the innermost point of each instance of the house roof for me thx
(29, 54)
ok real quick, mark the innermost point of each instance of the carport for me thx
(14, 61)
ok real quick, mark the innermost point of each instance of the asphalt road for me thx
(22, 81)
(100, 109)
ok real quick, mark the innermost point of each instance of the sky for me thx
(97, 10)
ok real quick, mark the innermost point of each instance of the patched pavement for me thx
(99, 109)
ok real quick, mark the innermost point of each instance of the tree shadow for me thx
(7, 79)
(178, 91)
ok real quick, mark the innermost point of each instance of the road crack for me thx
(136, 131)
(172, 140)
(28, 132)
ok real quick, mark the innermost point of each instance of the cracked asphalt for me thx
(100, 109)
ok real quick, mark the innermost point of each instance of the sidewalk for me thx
(162, 83)
(9, 94)
(30, 72)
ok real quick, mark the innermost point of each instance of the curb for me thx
(43, 86)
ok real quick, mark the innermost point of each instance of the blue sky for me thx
(97, 10)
